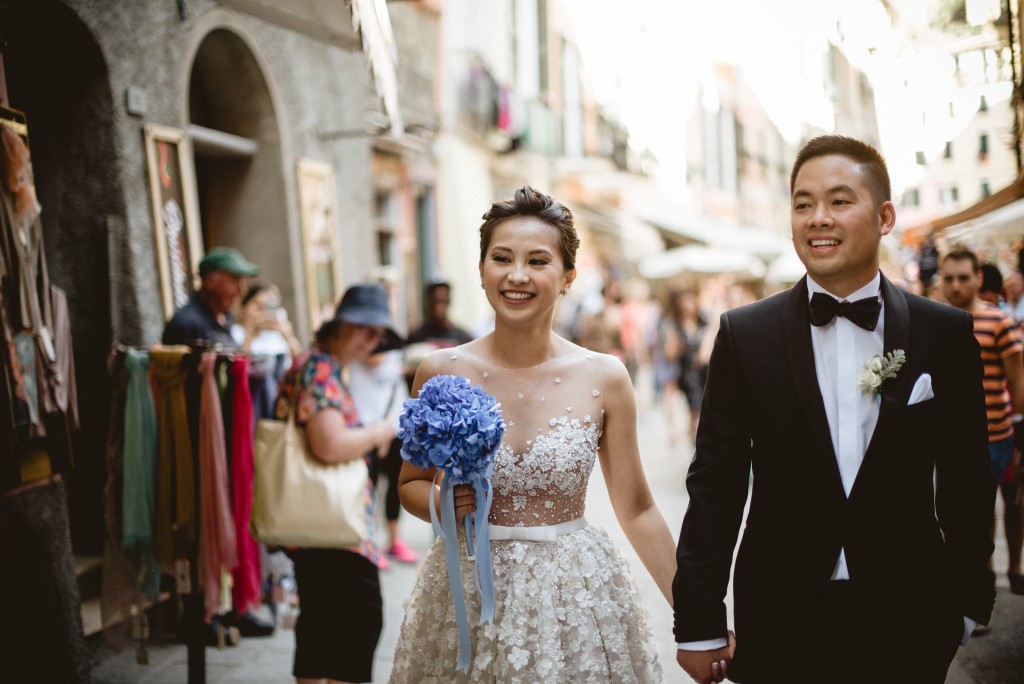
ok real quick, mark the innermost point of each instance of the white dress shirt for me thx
(840, 350)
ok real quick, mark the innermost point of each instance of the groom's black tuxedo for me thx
(916, 546)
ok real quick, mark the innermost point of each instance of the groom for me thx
(864, 554)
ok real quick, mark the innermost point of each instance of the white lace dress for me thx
(566, 609)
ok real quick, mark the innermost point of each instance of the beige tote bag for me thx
(300, 500)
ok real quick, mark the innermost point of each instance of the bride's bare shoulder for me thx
(444, 359)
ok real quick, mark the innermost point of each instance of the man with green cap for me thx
(207, 315)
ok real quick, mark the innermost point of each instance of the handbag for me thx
(299, 500)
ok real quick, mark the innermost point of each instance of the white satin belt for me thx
(537, 532)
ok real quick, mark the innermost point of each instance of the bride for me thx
(566, 607)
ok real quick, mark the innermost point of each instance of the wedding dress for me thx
(566, 609)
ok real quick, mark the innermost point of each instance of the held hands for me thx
(706, 667)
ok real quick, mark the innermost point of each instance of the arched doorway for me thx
(236, 143)
(57, 75)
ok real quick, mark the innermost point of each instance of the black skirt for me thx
(340, 614)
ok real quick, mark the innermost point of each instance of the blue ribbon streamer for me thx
(484, 571)
(478, 540)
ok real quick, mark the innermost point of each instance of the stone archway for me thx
(57, 74)
(236, 143)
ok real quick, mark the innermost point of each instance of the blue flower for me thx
(453, 426)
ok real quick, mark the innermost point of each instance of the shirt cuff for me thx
(969, 626)
(706, 645)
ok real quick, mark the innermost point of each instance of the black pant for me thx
(851, 637)
(390, 466)
(858, 644)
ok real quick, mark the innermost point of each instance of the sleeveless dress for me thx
(566, 606)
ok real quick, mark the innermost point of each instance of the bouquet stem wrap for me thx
(455, 429)
(478, 546)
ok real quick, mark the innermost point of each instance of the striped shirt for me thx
(999, 338)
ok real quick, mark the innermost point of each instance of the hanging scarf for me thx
(175, 494)
(216, 531)
(246, 587)
(139, 467)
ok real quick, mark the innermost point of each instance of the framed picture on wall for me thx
(321, 246)
(172, 196)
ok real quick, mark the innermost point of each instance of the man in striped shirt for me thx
(1002, 354)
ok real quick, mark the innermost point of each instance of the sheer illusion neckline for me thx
(495, 365)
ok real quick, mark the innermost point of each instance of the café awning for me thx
(761, 242)
(699, 259)
(997, 215)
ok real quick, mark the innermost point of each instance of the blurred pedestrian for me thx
(1002, 353)
(667, 350)
(1013, 296)
(928, 263)
(263, 328)
(693, 367)
(264, 332)
(990, 289)
(379, 389)
(206, 317)
(341, 614)
(437, 331)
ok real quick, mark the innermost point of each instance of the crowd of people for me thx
(878, 425)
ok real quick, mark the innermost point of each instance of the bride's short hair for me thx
(528, 202)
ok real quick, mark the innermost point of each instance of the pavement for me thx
(993, 658)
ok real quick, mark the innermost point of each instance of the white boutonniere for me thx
(878, 369)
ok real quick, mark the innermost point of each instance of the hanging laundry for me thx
(59, 392)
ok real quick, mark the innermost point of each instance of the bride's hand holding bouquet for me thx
(455, 428)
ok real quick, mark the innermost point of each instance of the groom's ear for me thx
(570, 276)
(887, 216)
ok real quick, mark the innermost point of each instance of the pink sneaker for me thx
(402, 553)
(383, 563)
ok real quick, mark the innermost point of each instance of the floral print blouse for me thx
(312, 384)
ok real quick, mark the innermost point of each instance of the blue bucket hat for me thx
(367, 304)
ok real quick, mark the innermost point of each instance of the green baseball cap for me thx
(229, 260)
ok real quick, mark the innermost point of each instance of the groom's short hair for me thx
(867, 156)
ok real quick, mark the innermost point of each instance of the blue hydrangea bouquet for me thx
(456, 428)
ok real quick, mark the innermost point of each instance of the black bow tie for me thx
(863, 312)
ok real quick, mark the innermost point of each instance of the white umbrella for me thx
(786, 268)
(700, 259)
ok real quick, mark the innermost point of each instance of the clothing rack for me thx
(193, 584)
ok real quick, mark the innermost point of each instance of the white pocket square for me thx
(922, 390)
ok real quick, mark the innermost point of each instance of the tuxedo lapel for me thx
(800, 356)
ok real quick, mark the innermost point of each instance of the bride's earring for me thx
(565, 289)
